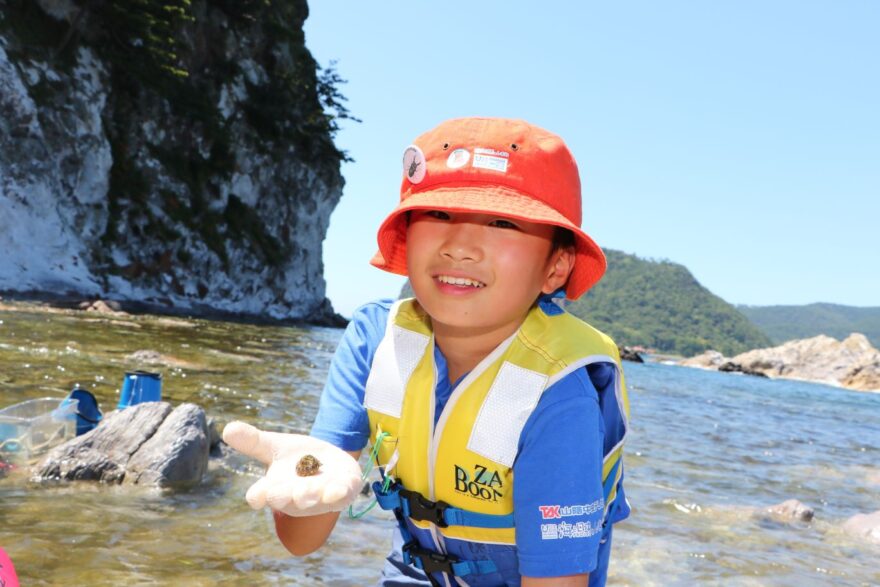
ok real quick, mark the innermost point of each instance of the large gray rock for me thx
(864, 526)
(146, 444)
(177, 454)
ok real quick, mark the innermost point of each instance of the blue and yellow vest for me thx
(467, 462)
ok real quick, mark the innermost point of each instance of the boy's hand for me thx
(336, 484)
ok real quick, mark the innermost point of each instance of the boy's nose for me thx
(462, 242)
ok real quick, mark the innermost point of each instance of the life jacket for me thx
(456, 481)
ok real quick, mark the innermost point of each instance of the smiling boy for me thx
(498, 418)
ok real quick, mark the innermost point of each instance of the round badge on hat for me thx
(414, 166)
(458, 158)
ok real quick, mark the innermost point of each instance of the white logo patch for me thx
(458, 158)
(491, 159)
(414, 166)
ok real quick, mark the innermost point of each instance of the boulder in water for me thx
(149, 443)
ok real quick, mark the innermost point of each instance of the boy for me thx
(497, 418)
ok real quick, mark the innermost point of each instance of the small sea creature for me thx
(308, 466)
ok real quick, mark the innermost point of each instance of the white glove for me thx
(332, 489)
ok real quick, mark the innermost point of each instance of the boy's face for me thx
(481, 271)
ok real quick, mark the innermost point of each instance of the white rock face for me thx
(51, 194)
(182, 227)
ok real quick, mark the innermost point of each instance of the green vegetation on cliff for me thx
(783, 323)
(659, 304)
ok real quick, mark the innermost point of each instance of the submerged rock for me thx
(146, 444)
(790, 509)
(864, 526)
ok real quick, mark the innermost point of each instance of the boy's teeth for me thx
(459, 281)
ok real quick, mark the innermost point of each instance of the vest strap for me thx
(414, 505)
(435, 562)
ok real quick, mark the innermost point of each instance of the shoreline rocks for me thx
(630, 354)
(852, 363)
(116, 309)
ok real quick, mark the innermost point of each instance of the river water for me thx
(707, 451)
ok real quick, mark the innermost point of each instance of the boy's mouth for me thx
(460, 281)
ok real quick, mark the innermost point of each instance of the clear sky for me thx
(740, 139)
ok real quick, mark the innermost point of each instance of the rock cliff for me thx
(198, 174)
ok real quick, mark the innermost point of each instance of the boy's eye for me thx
(501, 223)
(438, 214)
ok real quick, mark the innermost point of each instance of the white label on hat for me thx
(458, 158)
(483, 151)
(490, 162)
(414, 166)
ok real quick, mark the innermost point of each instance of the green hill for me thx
(659, 304)
(782, 323)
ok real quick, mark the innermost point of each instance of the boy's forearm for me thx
(304, 535)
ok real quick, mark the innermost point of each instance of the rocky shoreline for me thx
(36, 300)
(852, 363)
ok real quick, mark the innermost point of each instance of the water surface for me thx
(706, 451)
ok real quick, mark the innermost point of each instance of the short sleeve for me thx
(342, 419)
(558, 500)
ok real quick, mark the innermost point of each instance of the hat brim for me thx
(589, 263)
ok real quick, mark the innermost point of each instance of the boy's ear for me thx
(558, 270)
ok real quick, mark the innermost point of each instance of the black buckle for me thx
(424, 509)
(432, 562)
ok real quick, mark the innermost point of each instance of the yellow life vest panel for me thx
(467, 462)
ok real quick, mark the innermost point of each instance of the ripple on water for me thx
(707, 450)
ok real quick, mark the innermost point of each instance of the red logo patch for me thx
(549, 512)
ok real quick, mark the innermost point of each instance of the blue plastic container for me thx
(88, 414)
(139, 387)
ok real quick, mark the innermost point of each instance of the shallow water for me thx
(706, 449)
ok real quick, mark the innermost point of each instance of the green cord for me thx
(374, 454)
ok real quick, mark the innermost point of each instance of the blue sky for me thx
(740, 139)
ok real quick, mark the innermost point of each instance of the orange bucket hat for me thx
(494, 166)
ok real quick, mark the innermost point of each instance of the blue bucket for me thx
(88, 414)
(139, 387)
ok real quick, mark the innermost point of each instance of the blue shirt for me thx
(557, 469)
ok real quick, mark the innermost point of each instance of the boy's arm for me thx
(570, 581)
(557, 485)
(304, 535)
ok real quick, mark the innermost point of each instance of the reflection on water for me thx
(706, 451)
